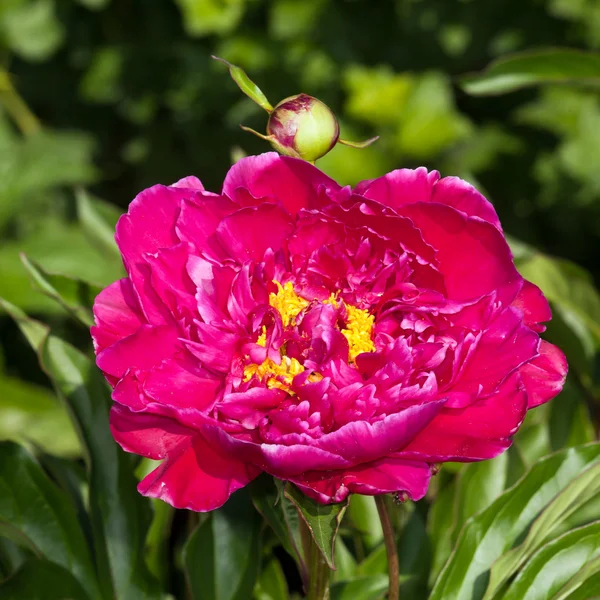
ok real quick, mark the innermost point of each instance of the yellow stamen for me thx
(287, 302)
(358, 331)
(276, 376)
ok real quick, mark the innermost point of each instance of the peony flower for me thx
(345, 340)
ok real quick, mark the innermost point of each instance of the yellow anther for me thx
(358, 331)
(262, 338)
(275, 376)
(287, 302)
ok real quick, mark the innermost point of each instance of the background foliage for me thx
(111, 97)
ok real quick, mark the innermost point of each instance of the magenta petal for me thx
(249, 232)
(400, 187)
(360, 441)
(190, 183)
(388, 475)
(195, 477)
(534, 306)
(463, 196)
(291, 181)
(545, 375)
(145, 349)
(117, 314)
(148, 435)
(472, 254)
(477, 432)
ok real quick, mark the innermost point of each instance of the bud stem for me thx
(359, 144)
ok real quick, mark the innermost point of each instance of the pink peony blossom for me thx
(344, 340)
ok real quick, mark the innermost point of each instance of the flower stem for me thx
(390, 547)
(319, 575)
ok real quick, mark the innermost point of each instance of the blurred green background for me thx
(100, 99)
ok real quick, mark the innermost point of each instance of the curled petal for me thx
(544, 376)
(383, 476)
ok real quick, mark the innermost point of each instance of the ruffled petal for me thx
(477, 432)
(472, 255)
(544, 377)
(117, 314)
(144, 349)
(291, 181)
(249, 232)
(148, 435)
(384, 476)
(535, 308)
(400, 187)
(195, 477)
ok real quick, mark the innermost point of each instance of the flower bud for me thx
(303, 127)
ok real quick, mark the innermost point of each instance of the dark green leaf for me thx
(41, 579)
(489, 535)
(573, 555)
(99, 231)
(120, 516)
(362, 513)
(414, 553)
(222, 556)
(322, 520)
(35, 512)
(281, 515)
(570, 423)
(271, 584)
(65, 296)
(560, 65)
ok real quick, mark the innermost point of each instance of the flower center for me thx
(358, 332)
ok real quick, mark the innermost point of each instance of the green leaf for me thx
(120, 516)
(281, 515)
(70, 289)
(322, 520)
(524, 69)
(271, 584)
(101, 234)
(478, 485)
(222, 556)
(491, 533)
(30, 414)
(570, 423)
(41, 579)
(414, 553)
(573, 555)
(573, 497)
(441, 525)
(247, 85)
(34, 512)
(566, 284)
(362, 513)
(374, 587)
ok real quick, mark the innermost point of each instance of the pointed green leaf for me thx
(48, 285)
(271, 584)
(374, 587)
(491, 533)
(247, 85)
(222, 556)
(524, 69)
(281, 515)
(322, 520)
(33, 511)
(573, 555)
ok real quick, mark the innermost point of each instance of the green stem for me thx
(15, 106)
(319, 575)
(390, 546)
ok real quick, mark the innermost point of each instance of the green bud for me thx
(303, 127)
